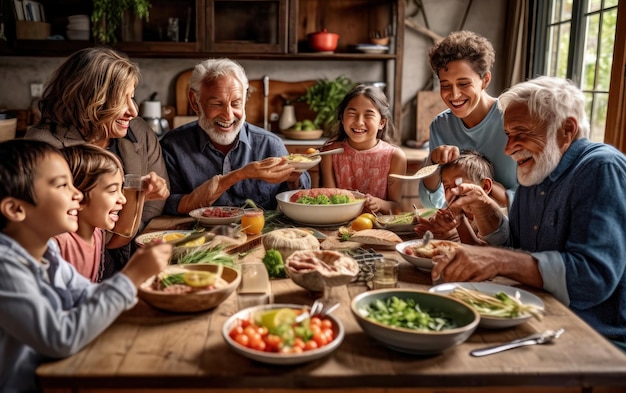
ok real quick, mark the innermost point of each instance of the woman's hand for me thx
(155, 187)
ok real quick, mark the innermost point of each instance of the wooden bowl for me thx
(193, 301)
(302, 135)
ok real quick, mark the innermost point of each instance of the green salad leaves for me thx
(406, 314)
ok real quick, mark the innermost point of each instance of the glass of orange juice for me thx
(252, 221)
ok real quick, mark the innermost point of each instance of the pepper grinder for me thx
(287, 116)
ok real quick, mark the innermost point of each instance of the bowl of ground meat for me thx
(190, 288)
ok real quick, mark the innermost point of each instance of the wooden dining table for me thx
(147, 350)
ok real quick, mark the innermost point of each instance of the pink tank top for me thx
(86, 258)
(363, 170)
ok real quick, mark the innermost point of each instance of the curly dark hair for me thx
(461, 45)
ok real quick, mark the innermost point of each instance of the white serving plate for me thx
(209, 221)
(491, 289)
(318, 215)
(283, 359)
(148, 237)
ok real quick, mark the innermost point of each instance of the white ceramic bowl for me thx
(488, 288)
(417, 342)
(302, 166)
(230, 215)
(424, 264)
(279, 358)
(193, 301)
(318, 215)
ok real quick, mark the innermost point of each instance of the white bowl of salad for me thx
(413, 321)
(272, 334)
(321, 206)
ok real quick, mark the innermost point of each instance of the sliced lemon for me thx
(173, 236)
(194, 243)
(199, 279)
(274, 318)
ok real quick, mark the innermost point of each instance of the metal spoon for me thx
(323, 153)
(546, 337)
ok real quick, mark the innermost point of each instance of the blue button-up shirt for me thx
(573, 224)
(191, 159)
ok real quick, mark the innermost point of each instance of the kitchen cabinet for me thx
(241, 29)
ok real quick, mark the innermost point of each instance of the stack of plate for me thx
(78, 28)
(372, 48)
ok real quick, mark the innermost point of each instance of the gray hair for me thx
(551, 99)
(212, 69)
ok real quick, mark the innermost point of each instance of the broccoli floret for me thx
(323, 200)
(339, 199)
(273, 262)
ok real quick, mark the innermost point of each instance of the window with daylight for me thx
(575, 40)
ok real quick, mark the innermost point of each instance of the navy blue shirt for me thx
(576, 217)
(191, 159)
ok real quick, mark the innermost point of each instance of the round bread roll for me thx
(289, 240)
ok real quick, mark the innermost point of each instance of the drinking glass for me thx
(252, 221)
(385, 273)
(130, 215)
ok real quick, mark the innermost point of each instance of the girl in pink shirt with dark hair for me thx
(364, 131)
(98, 174)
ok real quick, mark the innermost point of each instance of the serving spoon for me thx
(420, 174)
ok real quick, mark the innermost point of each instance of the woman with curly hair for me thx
(463, 62)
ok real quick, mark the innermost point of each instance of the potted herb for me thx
(324, 97)
(108, 16)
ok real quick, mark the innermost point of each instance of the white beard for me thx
(545, 163)
(220, 138)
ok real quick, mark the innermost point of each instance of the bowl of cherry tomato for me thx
(273, 334)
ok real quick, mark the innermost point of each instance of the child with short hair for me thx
(365, 130)
(470, 167)
(99, 175)
(48, 310)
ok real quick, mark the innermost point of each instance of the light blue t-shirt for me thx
(487, 137)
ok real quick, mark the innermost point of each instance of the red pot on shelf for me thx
(323, 41)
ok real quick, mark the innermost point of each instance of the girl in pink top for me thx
(364, 131)
(98, 174)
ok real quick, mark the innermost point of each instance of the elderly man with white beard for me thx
(565, 231)
(221, 159)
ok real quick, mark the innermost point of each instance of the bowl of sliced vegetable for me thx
(499, 306)
(321, 206)
(413, 321)
(279, 334)
(190, 288)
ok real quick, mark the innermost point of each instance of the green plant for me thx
(107, 17)
(324, 97)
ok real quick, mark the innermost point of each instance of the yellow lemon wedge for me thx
(273, 318)
(173, 236)
(194, 243)
(199, 279)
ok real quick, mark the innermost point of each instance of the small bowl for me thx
(303, 135)
(318, 215)
(323, 41)
(193, 301)
(422, 263)
(302, 166)
(417, 342)
(220, 215)
(313, 279)
(282, 359)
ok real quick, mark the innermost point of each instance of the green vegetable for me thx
(172, 279)
(273, 262)
(324, 97)
(499, 305)
(208, 255)
(406, 314)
